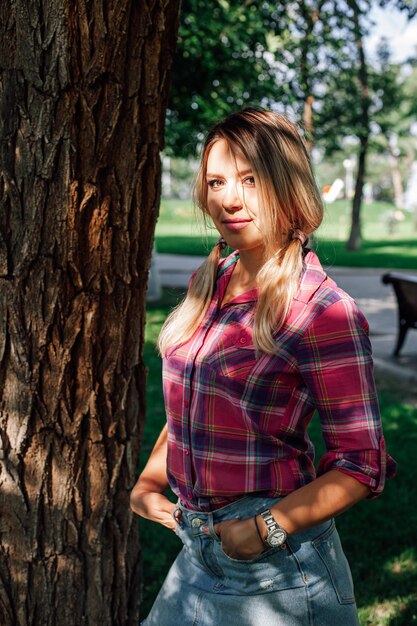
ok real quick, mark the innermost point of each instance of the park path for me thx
(376, 300)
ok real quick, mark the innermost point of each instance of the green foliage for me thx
(232, 54)
(220, 66)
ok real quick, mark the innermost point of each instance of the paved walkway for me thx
(376, 300)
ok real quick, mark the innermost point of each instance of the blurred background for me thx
(346, 72)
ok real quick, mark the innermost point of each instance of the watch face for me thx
(277, 538)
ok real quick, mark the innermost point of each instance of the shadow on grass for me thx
(193, 246)
(377, 254)
(380, 536)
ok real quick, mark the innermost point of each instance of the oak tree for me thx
(83, 92)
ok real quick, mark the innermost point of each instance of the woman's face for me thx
(232, 200)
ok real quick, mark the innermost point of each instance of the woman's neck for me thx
(248, 265)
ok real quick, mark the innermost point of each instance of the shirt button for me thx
(186, 451)
(243, 340)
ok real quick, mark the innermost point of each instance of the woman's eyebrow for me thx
(210, 175)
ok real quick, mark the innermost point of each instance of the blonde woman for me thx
(262, 339)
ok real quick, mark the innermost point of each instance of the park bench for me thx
(405, 287)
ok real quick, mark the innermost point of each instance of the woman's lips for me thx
(237, 225)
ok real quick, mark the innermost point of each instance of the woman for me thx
(263, 339)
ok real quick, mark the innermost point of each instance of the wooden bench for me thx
(405, 287)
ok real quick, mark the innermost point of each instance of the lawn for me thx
(379, 536)
(178, 231)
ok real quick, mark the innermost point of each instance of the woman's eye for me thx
(214, 183)
(250, 181)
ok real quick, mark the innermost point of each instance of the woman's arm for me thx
(146, 498)
(323, 498)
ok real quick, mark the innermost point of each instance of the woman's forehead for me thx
(223, 153)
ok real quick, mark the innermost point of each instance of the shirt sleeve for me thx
(335, 360)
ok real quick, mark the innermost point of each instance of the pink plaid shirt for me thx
(237, 424)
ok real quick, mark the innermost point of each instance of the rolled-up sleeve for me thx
(335, 361)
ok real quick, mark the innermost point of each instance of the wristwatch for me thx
(276, 535)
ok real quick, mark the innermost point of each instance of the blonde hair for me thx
(291, 210)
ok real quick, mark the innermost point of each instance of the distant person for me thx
(263, 338)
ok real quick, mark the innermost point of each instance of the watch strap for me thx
(272, 526)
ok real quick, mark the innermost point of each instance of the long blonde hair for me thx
(290, 203)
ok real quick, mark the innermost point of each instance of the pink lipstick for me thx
(237, 225)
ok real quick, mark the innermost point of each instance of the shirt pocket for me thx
(235, 355)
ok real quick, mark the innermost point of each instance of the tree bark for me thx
(355, 237)
(83, 92)
(308, 122)
(397, 183)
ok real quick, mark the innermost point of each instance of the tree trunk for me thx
(83, 91)
(397, 183)
(311, 16)
(355, 237)
(308, 122)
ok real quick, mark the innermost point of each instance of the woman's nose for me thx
(231, 198)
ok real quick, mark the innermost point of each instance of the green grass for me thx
(379, 536)
(178, 232)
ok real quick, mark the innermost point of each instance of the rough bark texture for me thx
(355, 236)
(83, 90)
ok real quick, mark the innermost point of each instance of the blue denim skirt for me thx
(305, 582)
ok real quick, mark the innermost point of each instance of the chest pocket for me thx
(235, 355)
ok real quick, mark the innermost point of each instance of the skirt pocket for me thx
(273, 570)
(330, 550)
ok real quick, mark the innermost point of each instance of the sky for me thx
(401, 33)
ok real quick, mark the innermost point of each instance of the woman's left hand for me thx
(240, 539)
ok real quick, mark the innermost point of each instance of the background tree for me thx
(305, 58)
(83, 91)
(233, 54)
(408, 6)
(222, 64)
(346, 101)
(391, 114)
(363, 127)
(298, 53)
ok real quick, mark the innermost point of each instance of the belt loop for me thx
(210, 524)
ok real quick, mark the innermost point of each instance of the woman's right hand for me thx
(153, 506)
(146, 498)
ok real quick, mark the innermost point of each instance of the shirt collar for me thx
(312, 277)
(226, 269)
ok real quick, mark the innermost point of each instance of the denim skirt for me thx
(305, 582)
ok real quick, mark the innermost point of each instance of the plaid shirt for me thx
(237, 425)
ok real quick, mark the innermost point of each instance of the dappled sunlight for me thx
(392, 612)
(405, 563)
(383, 611)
